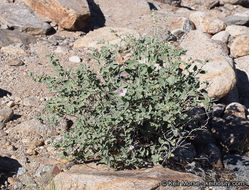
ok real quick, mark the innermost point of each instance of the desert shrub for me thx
(134, 110)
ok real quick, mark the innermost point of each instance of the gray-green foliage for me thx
(133, 112)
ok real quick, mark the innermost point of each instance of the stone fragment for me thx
(74, 59)
(180, 26)
(207, 22)
(14, 62)
(221, 36)
(220, 73)
(171, 2)
(70, 15)
(236, 109)
(102, 37)
(23, 19)
(94, 178)
(6, 114)
(235, 30)
(239, 46)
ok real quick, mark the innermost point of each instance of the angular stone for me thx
(22, 18)
(207, 22)
(69, 14)
(235, 109)
(220, 73)
(235, 30)
(221, 36)
(171, 2)
(6, 114)
(240, 46)
(236, 20)
(101, 37)
(94, 178)
(180, 26)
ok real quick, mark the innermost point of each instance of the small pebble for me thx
(2, 125)
(10, 104)
(58, 50)
(21, 171)
(75, 59)
(18, 185)
(31, 151)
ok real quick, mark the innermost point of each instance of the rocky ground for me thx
(217, 30)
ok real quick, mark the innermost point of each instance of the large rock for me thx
(220, 73)
(69, 14)
(207, 22)
(22, 18)
(235, 30)
(102, 36)
(240, 46)
(236, 20)
(96, 178)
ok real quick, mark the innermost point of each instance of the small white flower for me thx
(131, 147)
(122, 91)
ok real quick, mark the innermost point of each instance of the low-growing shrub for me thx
(134, 110)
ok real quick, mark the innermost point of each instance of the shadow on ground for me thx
(8, 167)
(97, 19)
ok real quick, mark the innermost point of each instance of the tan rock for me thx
(102, 37)
(221, 36)
(235, 30)
(240, 46)
(180, 26)
(70, 15)
(220, 73)
(200, 4)
(207, 22)
(13, 50)
(93, 178)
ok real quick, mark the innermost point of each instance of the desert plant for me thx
(133, 112)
